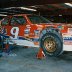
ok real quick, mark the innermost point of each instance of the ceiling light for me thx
(25, 8)
(28, 9)
(34, 6)
(60, 15)
(69, 4)
(10, 8)
(2, 15)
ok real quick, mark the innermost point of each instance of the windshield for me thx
(38, 19)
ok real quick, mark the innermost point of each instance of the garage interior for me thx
(23, 59)
(56, 11)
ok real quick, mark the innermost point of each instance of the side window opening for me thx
(38, 19)
(5, 21)
(18, 20)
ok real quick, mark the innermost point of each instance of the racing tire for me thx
(51, 42)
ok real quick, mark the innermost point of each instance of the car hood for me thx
(50, 24)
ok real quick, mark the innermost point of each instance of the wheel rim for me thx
(50, 44)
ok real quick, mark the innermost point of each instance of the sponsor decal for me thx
(70, 30)
(27, 31)
(67, 40)
(36, 32)
(67, 37)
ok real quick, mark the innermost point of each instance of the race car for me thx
(36, 31)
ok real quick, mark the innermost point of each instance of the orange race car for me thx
(36, 31)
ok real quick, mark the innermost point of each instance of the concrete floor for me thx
(24, 60)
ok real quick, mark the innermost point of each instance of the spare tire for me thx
(51, 42)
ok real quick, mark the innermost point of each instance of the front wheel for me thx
(51, 43)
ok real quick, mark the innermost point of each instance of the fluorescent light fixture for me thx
(25, 8)
(2, 15)
(60, 15)
(69, 4)
(10, 8)
(34, 6)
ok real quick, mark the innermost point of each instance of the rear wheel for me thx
(51, 42)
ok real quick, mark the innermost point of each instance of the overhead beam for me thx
(18, 3)
(14, 11)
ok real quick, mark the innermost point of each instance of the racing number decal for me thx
(15, 32)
